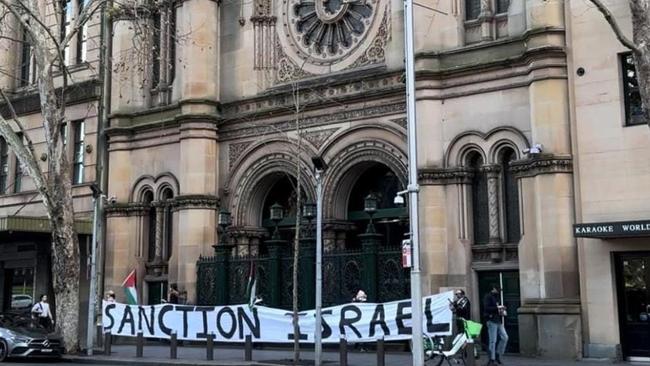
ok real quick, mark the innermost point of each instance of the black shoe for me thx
(491, 363)
(498, 360)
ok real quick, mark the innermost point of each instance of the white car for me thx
(21, 301)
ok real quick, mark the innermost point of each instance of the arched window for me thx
(480, 211)
(510, 196)
(149, 225)
(167, 231)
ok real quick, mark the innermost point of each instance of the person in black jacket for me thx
(461, 307)
(494, 312)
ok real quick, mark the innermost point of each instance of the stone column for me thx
(486, 16)
(492, 172)
(129, 79)
(197, 60)
(550, 323)
(159, 232)
(329, 240)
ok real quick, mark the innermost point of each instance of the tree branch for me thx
(615, 27)
(14, 116)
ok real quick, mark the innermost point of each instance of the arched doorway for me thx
(390, 220)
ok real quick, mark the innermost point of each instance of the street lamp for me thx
(309, 211)
(319, 166)
(98, 201)
(277, 215)
(370, 204)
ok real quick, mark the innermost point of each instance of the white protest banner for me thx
(357, 322)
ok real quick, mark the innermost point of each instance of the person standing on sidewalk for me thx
(494, 312)
(41, 310)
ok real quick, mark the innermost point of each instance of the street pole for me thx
(413, 188)
(318, 345)
(92, 291)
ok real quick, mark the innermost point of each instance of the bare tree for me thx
(639, 44)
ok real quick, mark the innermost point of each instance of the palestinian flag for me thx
(130, 290)
(250, 288)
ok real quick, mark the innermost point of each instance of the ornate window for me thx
(149, 225)
(82, 36)
(4, 165)
(634, 113)
(167, 222)
(510, 200)
(27, 64)
(502, 6)
(66, 23)
(164, 52)
(18, 172)
(480, 212)
(78, 157)
(472, 9)
(486, 20)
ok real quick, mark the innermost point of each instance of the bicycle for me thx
(434, 348)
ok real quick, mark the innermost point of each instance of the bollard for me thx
(343, 352)
(173, 347)
(381, 353)
(139, 345)
(100, 338)
(469, 354)
(248, 348)
(107, 344)
(210, 347)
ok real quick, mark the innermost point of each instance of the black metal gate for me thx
(222, 279)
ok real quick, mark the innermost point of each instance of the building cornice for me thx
(445, 176)
(195, 201)
(542, 164)
(28, 102)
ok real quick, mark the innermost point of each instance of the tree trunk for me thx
(65, 276)
(640, 10)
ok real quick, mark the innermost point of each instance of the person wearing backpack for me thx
(41, 311)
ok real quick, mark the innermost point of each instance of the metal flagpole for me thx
(318, 346)
(413, 188)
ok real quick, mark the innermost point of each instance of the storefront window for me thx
(22, 288)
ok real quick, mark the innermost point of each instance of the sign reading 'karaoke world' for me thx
(357, 322)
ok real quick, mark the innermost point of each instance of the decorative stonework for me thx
(228, 132)
(195, 201)
(400, 121)
(326, 36)
(495, 253)
(126, 209)
(318, 137)
(493, 172)
(287, 70)
(543, 164)
(445, 176)
(235, 150)
(376, 52)
(342, 89)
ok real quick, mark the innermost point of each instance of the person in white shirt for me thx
(41, 310)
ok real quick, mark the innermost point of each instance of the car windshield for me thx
(21, 323)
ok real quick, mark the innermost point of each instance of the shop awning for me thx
(38, 225)
(612, 230)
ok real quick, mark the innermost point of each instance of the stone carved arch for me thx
(156, 184)
(489, 144)
(350, 163)
(256, 172)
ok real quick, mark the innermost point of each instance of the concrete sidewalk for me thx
(159, 355)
